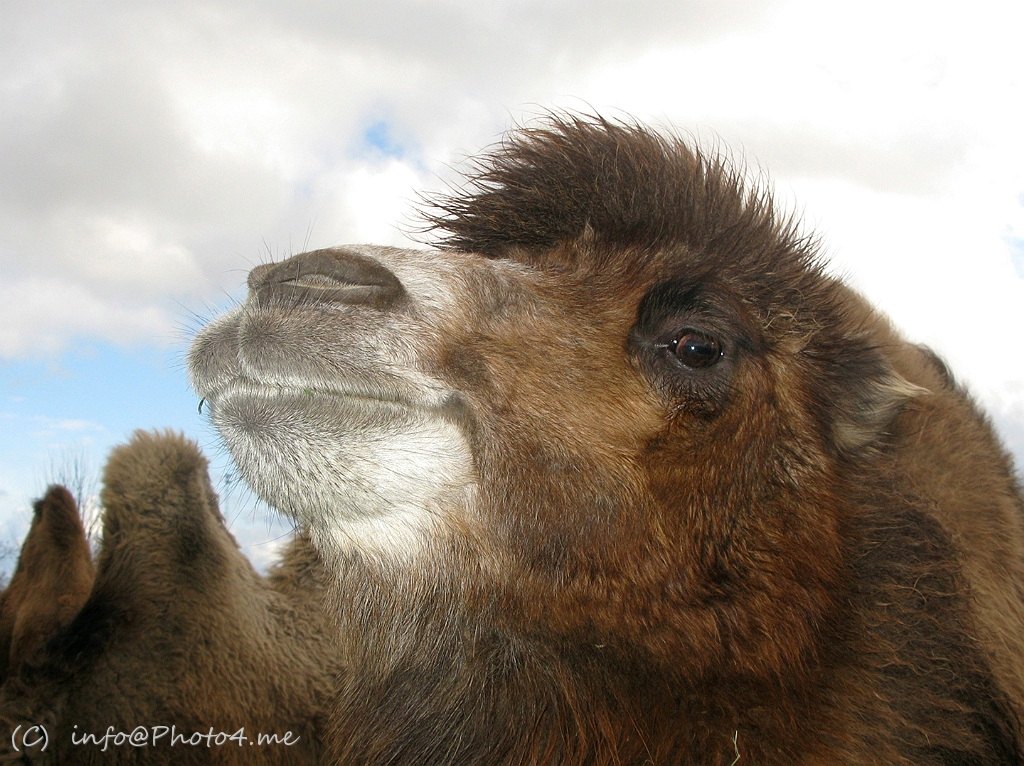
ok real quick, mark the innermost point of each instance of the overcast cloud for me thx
(151, 152)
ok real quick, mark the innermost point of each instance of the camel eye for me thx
(695, 349)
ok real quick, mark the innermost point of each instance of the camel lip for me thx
(297, 390)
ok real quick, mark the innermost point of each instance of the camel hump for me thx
(51, 582)
(59, 516)
(161, 512)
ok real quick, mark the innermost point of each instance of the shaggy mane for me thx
(618, 182)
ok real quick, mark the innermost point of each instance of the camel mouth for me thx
(361, 394)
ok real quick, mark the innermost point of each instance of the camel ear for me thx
(868, 406)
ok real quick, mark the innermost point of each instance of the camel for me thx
(182, 652)
(614, 472)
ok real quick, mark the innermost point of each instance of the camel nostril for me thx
(259, 274)
(337, 275)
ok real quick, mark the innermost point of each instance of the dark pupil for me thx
(696, 350)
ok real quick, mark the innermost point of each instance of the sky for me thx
(151, 153)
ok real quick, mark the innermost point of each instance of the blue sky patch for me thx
(380, 139)
(66, 415)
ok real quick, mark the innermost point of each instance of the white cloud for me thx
(44, 315)
(939, 267)
(43, 427)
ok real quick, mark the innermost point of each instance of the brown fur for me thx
(180, 630)
(50, 583)
(833, 562)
